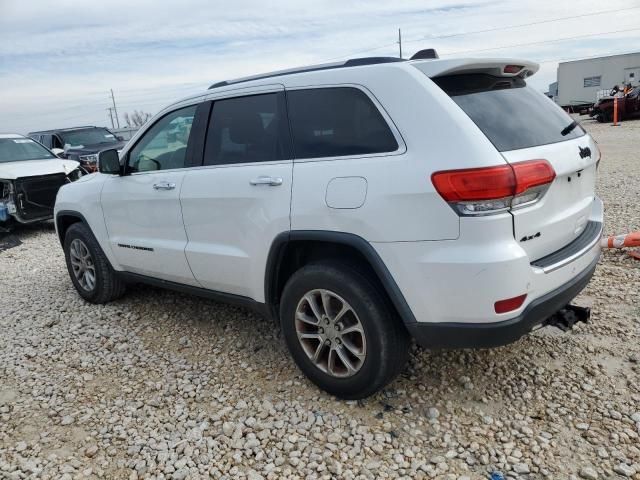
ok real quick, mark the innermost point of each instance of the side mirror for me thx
(109, 162)
(58, 152)
(120, 138)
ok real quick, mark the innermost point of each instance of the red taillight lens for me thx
(509, 304)
(482, 191)
(475, 183)
(532, 173)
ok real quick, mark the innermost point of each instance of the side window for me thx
(46, 140)
(56, 142)
(247, 129)
(164, 145)
(337, 121)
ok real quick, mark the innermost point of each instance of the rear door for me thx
(563, 213)
(239, 201)
(523, 124)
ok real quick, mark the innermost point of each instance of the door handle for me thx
(264, 180)
(164, 186)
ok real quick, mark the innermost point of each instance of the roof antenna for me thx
(427, 53)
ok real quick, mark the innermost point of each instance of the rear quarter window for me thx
(510, 113)
(337, 121)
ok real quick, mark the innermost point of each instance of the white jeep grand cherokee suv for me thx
(361, 203)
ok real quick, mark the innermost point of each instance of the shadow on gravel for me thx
(20, 232)
(7, 241)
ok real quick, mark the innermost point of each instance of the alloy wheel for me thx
(330, 333)
(82, 264)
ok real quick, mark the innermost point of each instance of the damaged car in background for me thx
(82, 144)
(30, 176)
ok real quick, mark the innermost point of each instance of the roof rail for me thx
(354, 62)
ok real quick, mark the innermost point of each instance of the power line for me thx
(508, 27)
(542, 41)
(127, 91)
(600, 55)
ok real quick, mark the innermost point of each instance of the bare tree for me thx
(137, 118)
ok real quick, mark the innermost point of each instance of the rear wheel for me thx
(88, 267)
(341, 331)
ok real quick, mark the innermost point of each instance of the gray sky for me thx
(58, 59)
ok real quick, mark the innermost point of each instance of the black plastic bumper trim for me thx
(495, 334)
(581, 245)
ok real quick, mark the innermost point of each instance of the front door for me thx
(239, 201)
(142, 209)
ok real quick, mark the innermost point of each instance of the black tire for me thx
(107, 284)
(387, 341)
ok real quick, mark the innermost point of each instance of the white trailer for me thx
(580, 80)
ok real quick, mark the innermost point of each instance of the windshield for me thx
(21, 149)
(510, 113)
(88, 136)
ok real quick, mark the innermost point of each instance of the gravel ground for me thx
(163, 385)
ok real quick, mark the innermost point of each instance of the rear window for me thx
(337, 121)
(510, 113)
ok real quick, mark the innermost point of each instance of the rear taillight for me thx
(489, 190)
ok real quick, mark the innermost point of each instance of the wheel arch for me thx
(291, 250)
(64, 219)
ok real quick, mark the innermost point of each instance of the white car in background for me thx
(30, 177)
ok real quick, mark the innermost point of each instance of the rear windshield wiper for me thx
(569, 128)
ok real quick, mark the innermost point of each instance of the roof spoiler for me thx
(498, 67)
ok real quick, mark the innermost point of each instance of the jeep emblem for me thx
(585, 152)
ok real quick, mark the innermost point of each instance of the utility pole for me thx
(400, 41)
(110, 109)
(115, 110)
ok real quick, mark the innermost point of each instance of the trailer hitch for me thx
(567, 317)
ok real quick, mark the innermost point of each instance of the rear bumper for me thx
(485, 335)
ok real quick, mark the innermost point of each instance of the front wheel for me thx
(88, 267)
(341, 330)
